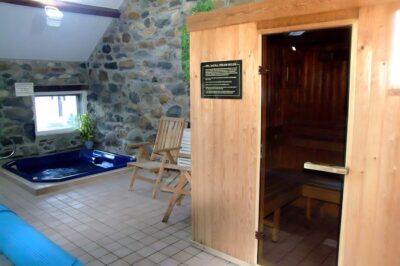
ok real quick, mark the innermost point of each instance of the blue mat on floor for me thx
(23, 245)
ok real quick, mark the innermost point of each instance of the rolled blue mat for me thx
(23, 245)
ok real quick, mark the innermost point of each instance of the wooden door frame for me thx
(265, 28)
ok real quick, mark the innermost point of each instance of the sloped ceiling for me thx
(24, 33)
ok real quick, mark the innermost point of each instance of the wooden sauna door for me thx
(225, 145)
(304, 109)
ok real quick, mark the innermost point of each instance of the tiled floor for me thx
(298, 245)
(102, 223)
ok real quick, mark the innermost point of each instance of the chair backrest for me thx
(186, 149)
(169, 135)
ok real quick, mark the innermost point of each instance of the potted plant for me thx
(86, 129)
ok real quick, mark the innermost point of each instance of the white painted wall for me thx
(24, 34)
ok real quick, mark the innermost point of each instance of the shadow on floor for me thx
(298, 245)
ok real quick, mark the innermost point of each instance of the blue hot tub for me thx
(66, 165)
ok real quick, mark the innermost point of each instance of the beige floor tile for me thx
(113, 246)
(205, 256)
(169, 262)
(86, 258)
(157, 257)
(99, 252)
(108, 259)
(119, 263)
(132, 258)
(182, 256)
(170, 251)
(95, 263)
(102, 223)
(145, 262)
(159, 245)
(195, 261)
(146, 251)
(182, 244)
(122, 252)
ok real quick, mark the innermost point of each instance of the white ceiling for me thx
(102, 3)
(24, 33)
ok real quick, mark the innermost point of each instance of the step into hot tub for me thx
(66, 165)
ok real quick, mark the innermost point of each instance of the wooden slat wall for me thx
(226, 145)
(307, 103)
(370, 232)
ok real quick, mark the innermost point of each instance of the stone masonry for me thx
(16, 113)
(134, 77)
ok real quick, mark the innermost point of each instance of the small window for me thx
(56, 112)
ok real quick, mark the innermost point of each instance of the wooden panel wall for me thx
(371, 211)
(272, 10)
(226, 145)
(307, 97)
(226, 141)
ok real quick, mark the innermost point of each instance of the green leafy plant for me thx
(201, 6)
(86, 127)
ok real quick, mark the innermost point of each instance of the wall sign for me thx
(221, 80)
(24, 89)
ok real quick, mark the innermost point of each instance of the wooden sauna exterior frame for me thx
(227, 133)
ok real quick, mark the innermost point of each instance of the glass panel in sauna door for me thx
(305, 108)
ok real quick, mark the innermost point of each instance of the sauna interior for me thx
(305, 90)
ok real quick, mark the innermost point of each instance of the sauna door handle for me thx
(340, 170)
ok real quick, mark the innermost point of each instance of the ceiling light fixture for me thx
(297, 33)
(294, 48)
(54, 16)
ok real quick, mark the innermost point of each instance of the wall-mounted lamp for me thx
(395, 68)
(294, 49)
(54, 16)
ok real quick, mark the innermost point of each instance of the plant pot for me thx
(89, 144)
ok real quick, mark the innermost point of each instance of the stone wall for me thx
(16, 113)
(135, 73)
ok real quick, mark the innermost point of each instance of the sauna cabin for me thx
(302, 167)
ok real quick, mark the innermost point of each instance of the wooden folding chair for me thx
(184, 166)
(165, 151)
(179, 190)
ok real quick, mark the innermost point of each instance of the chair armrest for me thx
(184, 155)
(138, 145)
(168, 149)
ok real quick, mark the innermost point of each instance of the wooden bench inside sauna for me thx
(284, 186)
(287, 182)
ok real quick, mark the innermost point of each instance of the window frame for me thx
(395, 53)
(82, 108)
